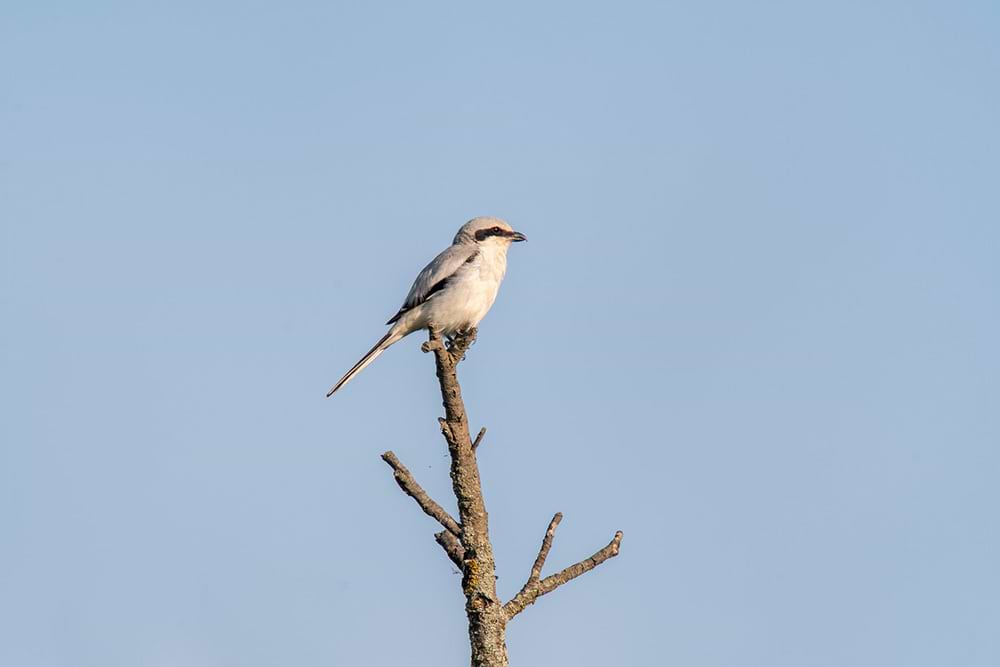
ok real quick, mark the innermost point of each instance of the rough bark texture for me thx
(467, 541)
(487, 622)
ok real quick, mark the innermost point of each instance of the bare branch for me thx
(543, 552)
(482, 605)
(414, 490)
(536, 588)
(452, 547)
(467, 544)
(479, 438)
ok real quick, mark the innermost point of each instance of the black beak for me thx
(518, 236)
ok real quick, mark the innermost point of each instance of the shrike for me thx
(454, 292)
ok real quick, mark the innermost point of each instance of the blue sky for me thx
(755, 328)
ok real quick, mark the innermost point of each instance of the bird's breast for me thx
(467, 298)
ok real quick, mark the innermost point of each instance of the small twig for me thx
(446, 429)
(535, 587)
(475, 443)
(452, 547)
(543, 552)
(414, 490)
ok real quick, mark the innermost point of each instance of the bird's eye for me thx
(495, 230)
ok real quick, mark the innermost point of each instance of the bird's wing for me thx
(434, 276)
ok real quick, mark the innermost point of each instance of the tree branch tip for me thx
(413, 489)
(431, 345)
(479, 438)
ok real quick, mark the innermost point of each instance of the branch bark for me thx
(467, 541)
(487, 622)
(479, 438)
(410, 487)
(543, 552)
(536, 587)
(452, 546)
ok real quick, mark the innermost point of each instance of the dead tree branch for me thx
(467, 541)
(452, 546)
(479, 438)
(487, 623)
(415, 491)
(536, 587)
(543, 552)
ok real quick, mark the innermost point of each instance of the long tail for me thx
(372, 355)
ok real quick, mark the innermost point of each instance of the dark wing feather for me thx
(435, 276)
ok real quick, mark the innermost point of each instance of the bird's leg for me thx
(461, 342)
(456, 346)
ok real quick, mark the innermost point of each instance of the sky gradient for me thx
(755, 328)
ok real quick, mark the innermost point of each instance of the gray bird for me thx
(454, 292)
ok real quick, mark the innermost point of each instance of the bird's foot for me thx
(461, 342)
(461, 334)
(455, 344)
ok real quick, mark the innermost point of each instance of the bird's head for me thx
(483, 231)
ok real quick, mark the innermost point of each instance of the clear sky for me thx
(755, 327)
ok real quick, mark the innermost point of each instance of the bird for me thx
(453, 293)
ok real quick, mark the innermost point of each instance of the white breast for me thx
(471, 293)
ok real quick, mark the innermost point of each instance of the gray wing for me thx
(436, 274)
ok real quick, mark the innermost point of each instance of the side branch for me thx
(479, 439)
(415, 491)
(543, 552)
(452, 547)
(536, 587)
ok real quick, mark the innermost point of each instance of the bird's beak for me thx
(518, 236)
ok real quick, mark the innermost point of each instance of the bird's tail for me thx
(373, 353)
